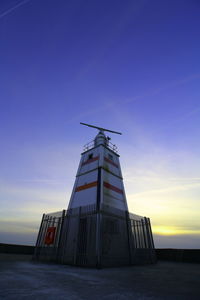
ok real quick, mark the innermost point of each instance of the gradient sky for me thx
(131, 66)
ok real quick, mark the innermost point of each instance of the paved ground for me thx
(22, 279)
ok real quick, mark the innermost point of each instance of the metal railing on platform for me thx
(91, 145)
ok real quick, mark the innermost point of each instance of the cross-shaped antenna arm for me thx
(100, 128)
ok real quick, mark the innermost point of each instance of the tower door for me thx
(82, 242)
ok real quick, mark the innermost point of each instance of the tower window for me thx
(110, 156)
(90, 156)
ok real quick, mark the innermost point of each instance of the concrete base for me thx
(179, 255)
(17, 249)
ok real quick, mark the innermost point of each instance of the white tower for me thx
(99, 179)
(97, 230)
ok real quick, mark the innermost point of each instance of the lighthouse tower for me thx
(96, 230)
(99, 179)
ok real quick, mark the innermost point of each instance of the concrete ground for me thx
(20, 278)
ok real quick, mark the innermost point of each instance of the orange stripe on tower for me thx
(86, 186)
(112, 187)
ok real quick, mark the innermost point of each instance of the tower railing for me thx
(91, 145)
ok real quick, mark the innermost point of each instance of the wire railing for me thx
(91, 145)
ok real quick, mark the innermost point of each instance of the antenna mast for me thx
(100, 128)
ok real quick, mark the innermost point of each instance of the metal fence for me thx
(87, 236)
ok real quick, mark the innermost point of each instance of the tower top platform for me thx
(101, 139)
(107, 143)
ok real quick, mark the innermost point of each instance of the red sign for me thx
(50, 235)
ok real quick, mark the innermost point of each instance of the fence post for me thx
(144, 233)
(128, 236)
(151, 235)
(38, 237)
(98, 221)
(148, 233)
(77, 236)
(150, 240)
(60, 236)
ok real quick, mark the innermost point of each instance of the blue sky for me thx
(131, 66)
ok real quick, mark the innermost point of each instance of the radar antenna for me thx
(100, 128)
